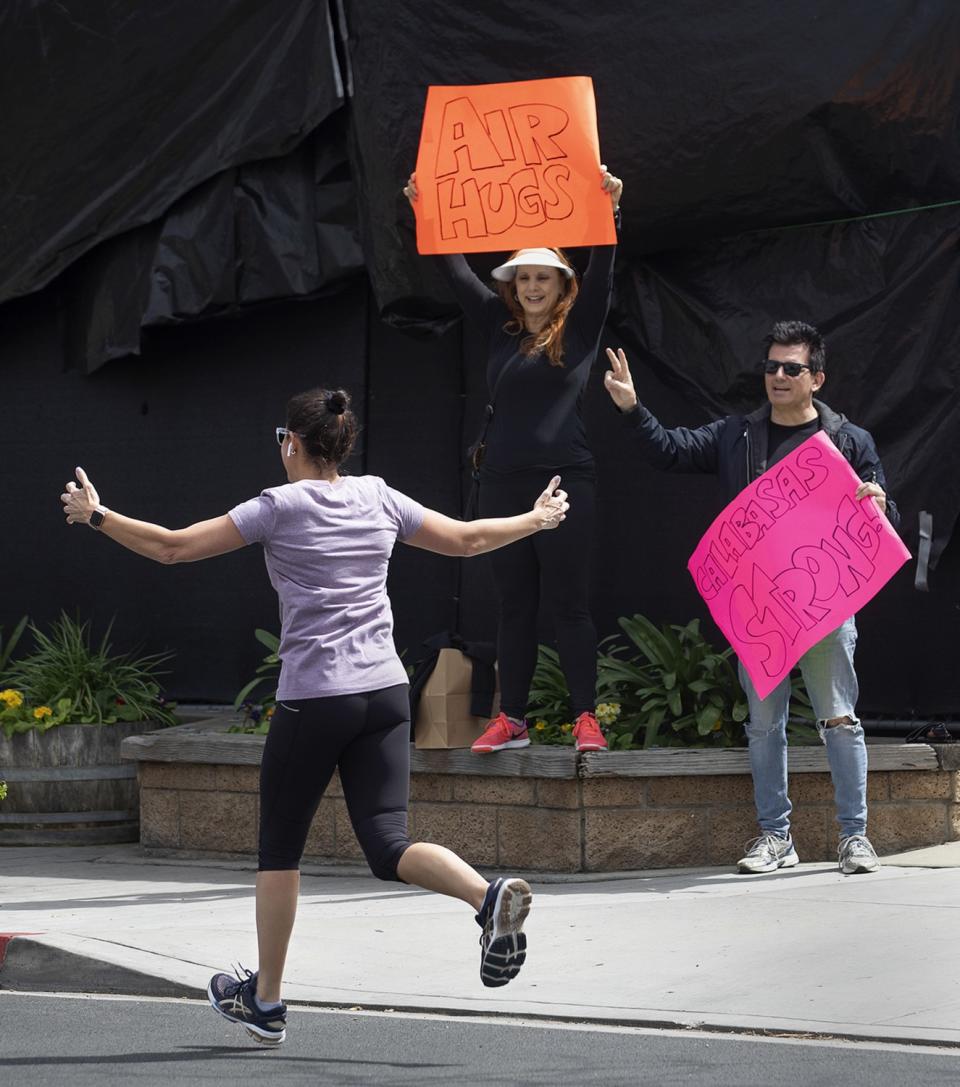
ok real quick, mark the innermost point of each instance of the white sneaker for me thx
(857, 855)
(768, 853)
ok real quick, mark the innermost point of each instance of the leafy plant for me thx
(676, 691)
(257, 712)
(550, 701)
(7, 648)
(658, 686)
(3, 790)
(68, 679)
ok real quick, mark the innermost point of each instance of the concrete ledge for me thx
(547, 808)
(673, 761)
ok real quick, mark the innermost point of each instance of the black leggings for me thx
(552, 567)
(368, 736)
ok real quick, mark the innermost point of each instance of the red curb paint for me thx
(6, 937)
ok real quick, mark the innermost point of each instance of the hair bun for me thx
(337, 403)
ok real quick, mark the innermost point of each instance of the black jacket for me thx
(735, 448)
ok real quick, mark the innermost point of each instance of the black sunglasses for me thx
(791, 369)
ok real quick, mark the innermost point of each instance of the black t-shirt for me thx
(536, 421)
(782, 440)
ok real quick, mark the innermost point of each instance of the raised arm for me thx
(678, 449)
(203, 540)
(593, 301)
(445, 536)
(476, 299)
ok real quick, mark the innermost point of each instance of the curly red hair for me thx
(549, 339)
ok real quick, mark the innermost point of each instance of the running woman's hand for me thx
(551, 507)
(410, 190)
(618, 382)
(80, 502)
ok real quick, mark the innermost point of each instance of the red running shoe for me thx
(499, 734)
(588, 734)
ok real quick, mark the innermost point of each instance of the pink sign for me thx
(792, 557)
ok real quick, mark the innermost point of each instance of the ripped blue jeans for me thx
(831, 683)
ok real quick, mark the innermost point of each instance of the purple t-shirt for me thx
(327, 546)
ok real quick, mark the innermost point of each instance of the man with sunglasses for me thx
(738, 449)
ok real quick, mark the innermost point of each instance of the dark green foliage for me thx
(88, 684)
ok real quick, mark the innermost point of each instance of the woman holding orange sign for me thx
(542, 330)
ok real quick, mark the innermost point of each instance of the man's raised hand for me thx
(618, 382)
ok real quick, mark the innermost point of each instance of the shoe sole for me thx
(255, 1032)
(860, 869)
(500, 747)
(592, 747)
(790, 861)
(507, 950)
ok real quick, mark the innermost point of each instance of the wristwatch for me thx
(97, 516)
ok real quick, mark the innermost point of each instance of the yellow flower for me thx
(12, 698)
(608, 712)
(271, 711)
(566, 727)
(42, 711)
(540, 726)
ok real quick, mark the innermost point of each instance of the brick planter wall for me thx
(549, 809)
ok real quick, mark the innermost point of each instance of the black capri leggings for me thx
(549, 568)
(368, 736)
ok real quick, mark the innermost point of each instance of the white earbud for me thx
(290, 450)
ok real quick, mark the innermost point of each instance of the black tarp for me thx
(167, 163)
(269, 230)
(734, 128)
(115, 110)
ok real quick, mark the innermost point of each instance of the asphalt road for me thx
(103, 1041)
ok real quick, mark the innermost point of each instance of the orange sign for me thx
(505, 166)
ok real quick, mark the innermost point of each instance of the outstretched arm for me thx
(679, 449)
(203, 540)
(445, 536)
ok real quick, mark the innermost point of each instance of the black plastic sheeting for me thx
(734, 127)
(720, 118)
(117, 109)
(189, 161)
(270, 230)
(884, 293)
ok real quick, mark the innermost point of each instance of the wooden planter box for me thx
(68, 785)
(547, 808)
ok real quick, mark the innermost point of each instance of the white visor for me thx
(506, 272)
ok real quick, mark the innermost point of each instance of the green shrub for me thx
(258, 711)
(66, 679)
(657, 687)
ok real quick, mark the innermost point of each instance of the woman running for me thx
(541, 330)
(342, 698)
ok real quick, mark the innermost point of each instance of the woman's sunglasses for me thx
(282, 432)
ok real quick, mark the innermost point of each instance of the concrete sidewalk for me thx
(802, 951)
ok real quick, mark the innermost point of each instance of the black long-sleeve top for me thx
(537, 421)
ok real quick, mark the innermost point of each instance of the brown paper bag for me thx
(443, 717)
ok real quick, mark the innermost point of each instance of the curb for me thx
(28, 965)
